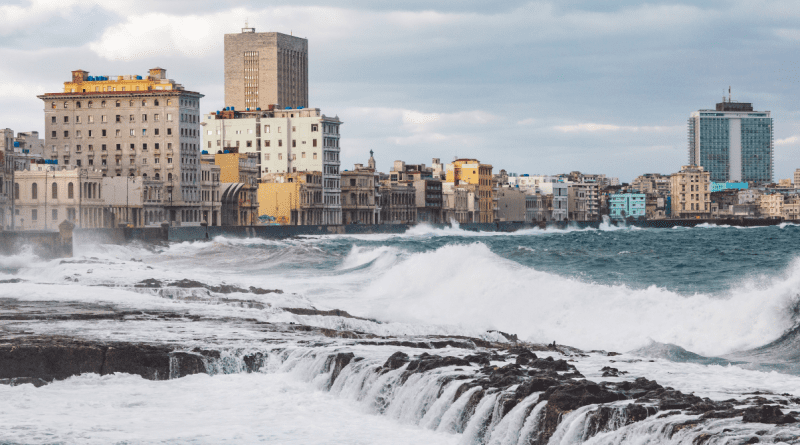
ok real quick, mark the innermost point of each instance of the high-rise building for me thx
(130, 126)
(265, 68)
(732, 143)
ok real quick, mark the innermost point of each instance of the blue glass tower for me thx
(733, 143)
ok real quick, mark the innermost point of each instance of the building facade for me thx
(511, 204)
(560, 201)
(291, 198)
(429, 200)
(771, 205)
(626, 205)
(472, 172)
(130, 126)
(691, 194)
(732, 143)
(285, 141)
(360, 196)
(265, 68)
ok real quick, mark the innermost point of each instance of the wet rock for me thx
(610, 418)
(426, 362)
(254, 362)
(612, 372)
(12, 281)
(481, 358)
(526, 357)
(23, 380)
(671, 399)
(335, 363)
(550, 363)
(767, 414)
(567, 397)
(396, 361)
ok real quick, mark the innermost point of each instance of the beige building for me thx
(134, 201)
(285, 141)
(397, 203)
(238, 185)
(265, 68)
(511, 204)
(691, 197)
(129, 126)
(771, 206)
(538, 207)
(361, 195)
(584, 201)
(291, 198)
(797, 178)
(455, 203)
(45, 197)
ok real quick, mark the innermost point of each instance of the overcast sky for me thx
(530, 87)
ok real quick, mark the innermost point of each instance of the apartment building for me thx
(130, 126)
(512, 204)
(691, 196)
(771, 205)
(397, 203)
(560, 209)
(361, 195)
(584, 201)
(472, 172)
(285, 141)
(455, 202)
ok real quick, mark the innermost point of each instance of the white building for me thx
(286, 141)
(560, 201)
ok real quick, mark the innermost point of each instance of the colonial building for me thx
(130, 126)
(285, 141)
(456, 203)
(472, 172)
(238, 185)
(44, 197)
(361, 195)
(397, 203)
(691, 197)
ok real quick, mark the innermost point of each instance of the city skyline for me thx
(414, 83)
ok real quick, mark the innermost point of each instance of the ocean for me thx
(709, 310)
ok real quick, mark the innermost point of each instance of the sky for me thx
(529, 87)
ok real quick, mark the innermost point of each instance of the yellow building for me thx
(82, 82)
(292, 198)
(771, 206)
(472, 172)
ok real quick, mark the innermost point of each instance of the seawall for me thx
(197, 233)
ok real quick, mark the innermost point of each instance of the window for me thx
(34, 191)
(280, 142)
(315, 156)
(294, 129)
(156, 160)
(169, 161)
(133, 132)
(294, 157)
(90, 133)
(266, 128)
(155, 116)
(117, 104)
(103, 147)
(77, 133)
(169, 117)
(144, 118)
(294, 143)
(314, 127)
(78, 104)
(133, 146)
(266, 157)
(169, 145)
(52, 119)
(169, 131)
(266, 143)
(155, 102)
(130, 102)
(65, 105)
(66, 119)
(304, 155)
(249, 143)
(280, 156)
(157, 146)
(54, 191)
(91, 147)
(144, 131)
(144, 146)
(66, 134)
(279, 129)
(131, 119)
(34, 215)
(103, 104)
(70, 191)
(89, 104)
(103, 118)
(52, 105)
(119, 133)
(53, 134)
(103, 133)
(315, 143)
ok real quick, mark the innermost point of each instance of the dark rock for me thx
(767, 414)
(481, 358)
(426, 362)
(612, 372)
(396, 360)
(575, 395)
(754, 440)
(610, 418)
(335, 363)
(549, 363)
(526, 357)
(50, 361)
(254, 362)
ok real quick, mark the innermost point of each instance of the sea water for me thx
(712, 290)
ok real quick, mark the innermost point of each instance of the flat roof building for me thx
(265, 68)
(732, 143)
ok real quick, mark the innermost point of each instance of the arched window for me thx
(54, 192)
(118, 104)
(78, 104)
(103, 104)
(16, 190)
(144, 175)
(34, 191)
(158, 176)
(169, 177)
(89, 104)
(155, 102)
(70, 191)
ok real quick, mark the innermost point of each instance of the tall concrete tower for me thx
(732, 142)
(265, 68)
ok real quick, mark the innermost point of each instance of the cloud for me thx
(791, 140)
(415, 117)
(528, 121)
(591, 128)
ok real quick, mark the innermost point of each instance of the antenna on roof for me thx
(729, 94)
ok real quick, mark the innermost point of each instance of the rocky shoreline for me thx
(488, 382)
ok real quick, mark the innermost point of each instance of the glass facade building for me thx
(733, 143)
